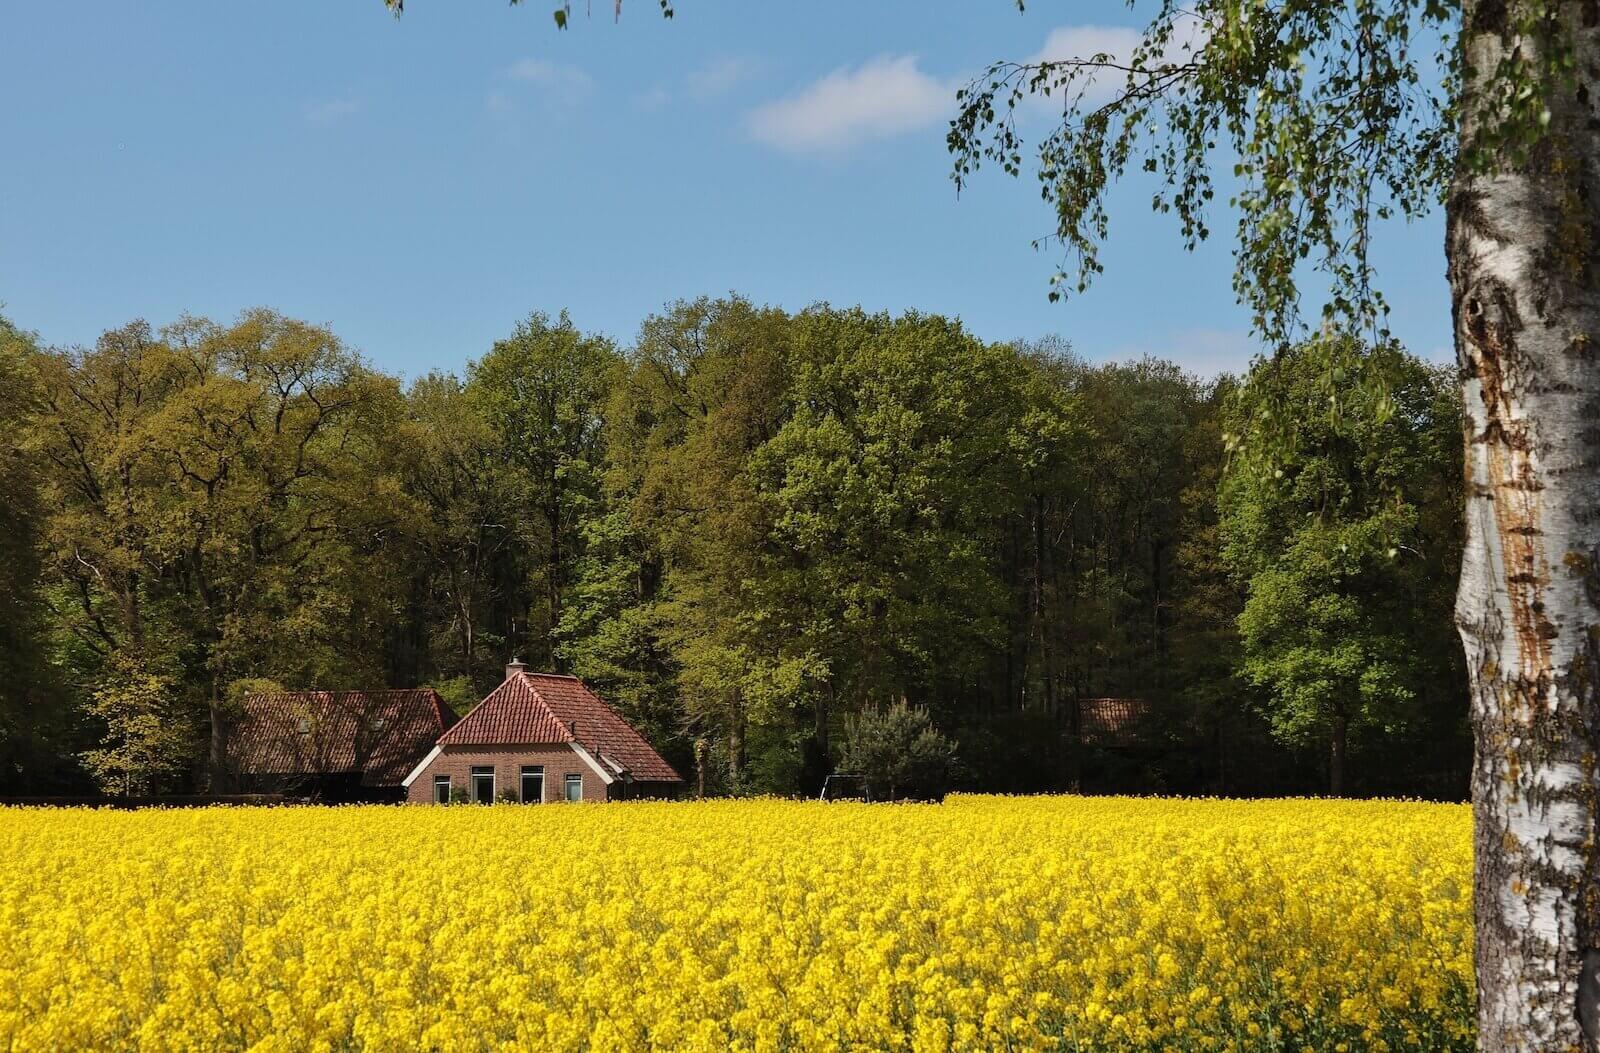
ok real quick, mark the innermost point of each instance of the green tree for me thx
(1328, 540)
(612, 630)
(219, 502)
(704, 391)
(899, 752)
(1334, 116)
(877, 575)
(1206, 602)
(148, 738)
(33, 723)
(541, 393)
(471, 536)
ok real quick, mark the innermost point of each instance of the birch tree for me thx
(1336, 115)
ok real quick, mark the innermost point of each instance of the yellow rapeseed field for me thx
(985, 923)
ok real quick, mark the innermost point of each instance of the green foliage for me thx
(215, 498)
(539, 394)
(1338, 529)
(746, 529)
(468, 541)
(148, 740)
(1332, 115)
(34, 735)
(878, 487)
(460, 693)
(611, 629)
(899, 752)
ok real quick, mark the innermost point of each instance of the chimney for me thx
(515, 666)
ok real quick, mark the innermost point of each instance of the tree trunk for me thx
(1522, 243)
(218, 753)
(736, 748)
(1075, 745)
(1336, 754)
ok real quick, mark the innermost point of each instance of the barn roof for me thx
(378, 734)
(1112, 721)
(536, 708)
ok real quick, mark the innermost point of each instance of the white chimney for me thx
(515, 666)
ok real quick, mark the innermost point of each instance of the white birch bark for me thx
(1524, 249)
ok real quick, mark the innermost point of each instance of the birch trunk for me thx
(1522, 244)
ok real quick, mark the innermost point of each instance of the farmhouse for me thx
(335, 745)
(540, 737)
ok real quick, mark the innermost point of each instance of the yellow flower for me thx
(988, 922)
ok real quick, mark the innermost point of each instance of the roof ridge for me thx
(441, 710)
(550, 711)
(338, 691)
(472, 718)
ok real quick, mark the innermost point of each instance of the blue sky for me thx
(420, 184)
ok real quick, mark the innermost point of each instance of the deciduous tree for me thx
(541, 392)
(217, 499)
(1333, 116)
(1327, 533)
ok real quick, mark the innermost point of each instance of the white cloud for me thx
(889, 95)
(718, 77)
(703, 84)
(884, 96)
(1117, 42)
(652, 99)
(1065, 42)
(331, 111)
(1083, 42)
(567, 83)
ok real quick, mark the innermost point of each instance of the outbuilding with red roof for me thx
(335, 745)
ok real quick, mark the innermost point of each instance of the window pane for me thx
(574, 787)
(441, 789)
(483, 784)
(532, 785)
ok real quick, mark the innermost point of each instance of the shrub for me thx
(900, 753)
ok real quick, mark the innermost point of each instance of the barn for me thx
(337, 746)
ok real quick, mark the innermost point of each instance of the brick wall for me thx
(507, 761)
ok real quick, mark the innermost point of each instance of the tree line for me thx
(749, 529)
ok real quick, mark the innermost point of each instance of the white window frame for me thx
(449, 788)
(475, 774)
(567, 787)
(528, 771)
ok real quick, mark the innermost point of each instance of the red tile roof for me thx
(537, 708)
(380, 734)
(1112, 721)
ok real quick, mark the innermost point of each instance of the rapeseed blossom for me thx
(983, 923)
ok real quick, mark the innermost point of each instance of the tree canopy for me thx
(745, 527)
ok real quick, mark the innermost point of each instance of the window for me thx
(441, 789)
(483, 784)
(574, 787)
(532, 783)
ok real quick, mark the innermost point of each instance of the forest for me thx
(746, 528)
